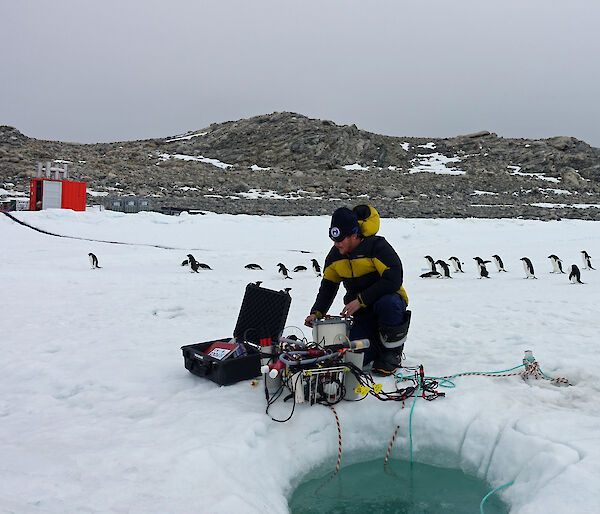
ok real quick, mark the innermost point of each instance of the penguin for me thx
(253, 266)
(457, 264)
(431, 274)
(193, 263)
(498, 262)
(528, 267)
(316, 268)
(93, 261)
(430, 262)
(283, 270)
(556, 264)
(299, 268)
(481, 269)
(445, 273)
(575, 275)
(587, 260)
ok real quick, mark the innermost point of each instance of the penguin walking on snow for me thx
(284, 272)
(456, 264)
(587, 260)
(316, 268)
(556, 264)
(253, 266)
(574, 274)
(528, 267)
(193, 263)
(299, 268)
(430, 262)
(93, 261)
(498, 262)
(479, 260)
(445, 273)
(481, 269)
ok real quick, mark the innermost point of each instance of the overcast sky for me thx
(98, 71)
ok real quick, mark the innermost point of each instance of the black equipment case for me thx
(261, 321)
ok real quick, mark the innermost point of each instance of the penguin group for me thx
(440, 269)
(573, 272)
(194, 265)
(433, 271)
(285, 272)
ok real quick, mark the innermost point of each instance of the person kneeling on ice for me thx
(371, 272)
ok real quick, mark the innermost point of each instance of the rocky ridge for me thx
(287, 164)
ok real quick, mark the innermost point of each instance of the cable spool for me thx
(331, 331)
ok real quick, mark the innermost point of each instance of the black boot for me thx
(392, 338)
(387, 361)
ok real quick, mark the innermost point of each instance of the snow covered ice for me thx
(98, 413)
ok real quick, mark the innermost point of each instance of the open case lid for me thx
(262, 315)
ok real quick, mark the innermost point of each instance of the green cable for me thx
(553, 379)
(492, 492)
(443, 381)
(410, 421)
(446, 382)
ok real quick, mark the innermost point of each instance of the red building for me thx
(53, 190)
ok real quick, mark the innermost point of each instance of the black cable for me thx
(42, 231)
(427, 385)
(293, 405)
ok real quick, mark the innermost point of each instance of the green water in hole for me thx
(402, 488)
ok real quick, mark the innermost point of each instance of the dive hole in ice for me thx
(397, 487)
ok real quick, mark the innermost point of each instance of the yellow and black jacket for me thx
(372, 270)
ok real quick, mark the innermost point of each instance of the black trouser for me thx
(389, 310)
